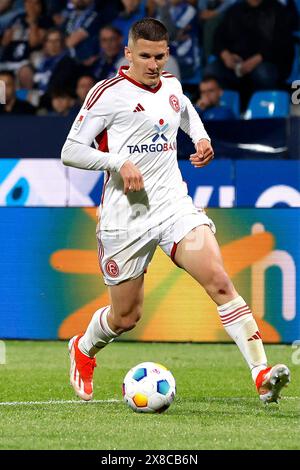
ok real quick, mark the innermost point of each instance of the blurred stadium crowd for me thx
(52, 52)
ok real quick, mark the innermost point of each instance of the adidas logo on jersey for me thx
(138, 108)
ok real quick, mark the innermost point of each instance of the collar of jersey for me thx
(144, 87)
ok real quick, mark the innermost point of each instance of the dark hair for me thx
(8, 73)
(209, 78)
(112, 28)
(62, 93)
(149, 29)
(55, 30)
(86, 75)
(43, 7)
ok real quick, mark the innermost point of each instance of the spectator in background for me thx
(59, 11)
(63, 103)
(57, 69)
(208, 105)
(84, 84)
(210, 15)
(134, 10)
(111, 51)
(81, 29)
(25, 77)
(9, 9)
(292, 8)
(108, 10)
(254, 47)
(55, 7)
(180, 18)
(25, 85)
(25, 35)
(13, 105)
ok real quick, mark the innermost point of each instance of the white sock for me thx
(239, 323)
(98, 333)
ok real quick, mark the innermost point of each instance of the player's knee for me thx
(127, 321)
(219, 283)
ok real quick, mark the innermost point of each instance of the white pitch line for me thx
(244, 398)
(55, 402)
(113, 400)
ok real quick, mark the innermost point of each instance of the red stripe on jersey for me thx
(173, 251)
(102, 90)
(102, 141)
(95, 92)
(100, 253)
(98, 88)
(104, 187)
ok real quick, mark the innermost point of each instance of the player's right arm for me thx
(90, 123)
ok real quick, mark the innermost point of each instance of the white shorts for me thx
(125, 255)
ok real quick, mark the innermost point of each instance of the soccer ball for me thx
(149, 388)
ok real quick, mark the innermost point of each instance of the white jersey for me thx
(129, 121)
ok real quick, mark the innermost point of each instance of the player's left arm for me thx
(193, 126)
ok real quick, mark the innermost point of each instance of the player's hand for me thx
(132, 177)
(204, 154)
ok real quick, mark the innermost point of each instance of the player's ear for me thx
(128, 54)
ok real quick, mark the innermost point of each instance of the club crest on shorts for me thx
(112, 268)
(174, 102)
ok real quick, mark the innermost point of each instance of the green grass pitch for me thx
(216, 406)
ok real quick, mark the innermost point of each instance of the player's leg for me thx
(123, 260)
(107, 323)
(199, 254)
(124, 311)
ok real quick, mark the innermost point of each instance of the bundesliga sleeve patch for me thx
(79, 121)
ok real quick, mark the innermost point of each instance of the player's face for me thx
(147, 60)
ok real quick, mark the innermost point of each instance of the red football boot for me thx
(270, 381)
(81, 370)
